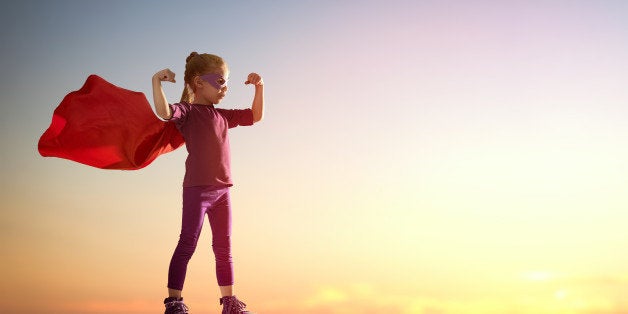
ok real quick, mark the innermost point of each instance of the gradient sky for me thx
(432, 157)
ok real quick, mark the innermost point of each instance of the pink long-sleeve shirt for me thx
(205, 130)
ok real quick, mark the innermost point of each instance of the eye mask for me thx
(215, 80)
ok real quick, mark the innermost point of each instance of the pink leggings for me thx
(198, 201)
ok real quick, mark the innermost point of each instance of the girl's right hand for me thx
(165, 75)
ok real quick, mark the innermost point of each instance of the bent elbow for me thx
(164, 115)
(258, 117)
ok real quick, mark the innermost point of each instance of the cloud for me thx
(546, 296)
(110, 307)
(367, 298)
(535, 293)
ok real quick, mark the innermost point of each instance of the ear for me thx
(197, 81)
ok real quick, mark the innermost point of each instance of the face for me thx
(211, 88)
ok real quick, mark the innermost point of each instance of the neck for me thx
(201, 101)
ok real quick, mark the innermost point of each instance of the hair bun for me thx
(192, 55)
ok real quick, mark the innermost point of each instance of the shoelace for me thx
(179, 307)
(233, 305)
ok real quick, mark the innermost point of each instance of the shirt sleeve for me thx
(179, 112)
(236, 117)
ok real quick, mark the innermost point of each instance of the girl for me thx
(207, 168)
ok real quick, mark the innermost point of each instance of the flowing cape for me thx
(108, 127)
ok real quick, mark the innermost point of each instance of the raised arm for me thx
(258, 99)
(159, 97)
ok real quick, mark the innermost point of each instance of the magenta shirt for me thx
(204, 129)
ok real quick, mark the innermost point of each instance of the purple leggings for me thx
(198, 201)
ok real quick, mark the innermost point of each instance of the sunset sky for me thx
(429, 157)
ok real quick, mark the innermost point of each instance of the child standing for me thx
(207, 168)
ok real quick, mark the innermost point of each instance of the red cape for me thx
(108, 127)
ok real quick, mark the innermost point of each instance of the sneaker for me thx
(231, 305)
(175, 306)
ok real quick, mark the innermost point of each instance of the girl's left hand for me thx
(254, 79)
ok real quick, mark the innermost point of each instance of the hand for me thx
(165, 75)
(254, 79)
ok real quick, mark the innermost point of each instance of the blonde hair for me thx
(199, 64)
